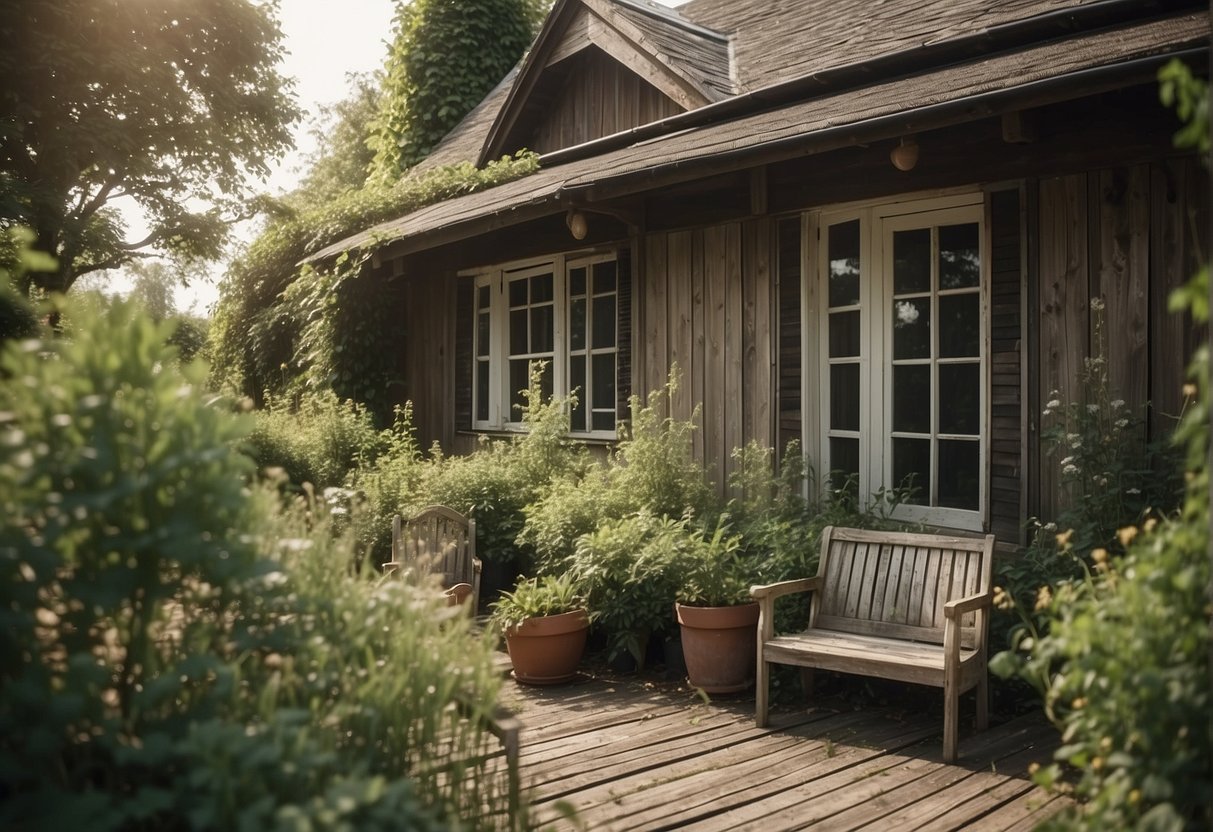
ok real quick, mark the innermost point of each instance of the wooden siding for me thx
(599, 97)
(1006, 394)
(789, 317)
(1116, 235)
(707, 309)
(623, 367)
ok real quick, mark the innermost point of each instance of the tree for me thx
(169, 103)
(444, 59)
(342, 157)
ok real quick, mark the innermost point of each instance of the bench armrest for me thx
(959, 606)
(759, 593)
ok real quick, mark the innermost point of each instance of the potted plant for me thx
(717, 619)
(544, 621)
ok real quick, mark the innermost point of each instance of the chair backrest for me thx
(440, 540)
(896, 583)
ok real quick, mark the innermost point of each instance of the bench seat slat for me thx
(886, 658)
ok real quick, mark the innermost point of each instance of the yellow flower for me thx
(1002, 599)
(1063, 539)
(1149, 525)
(1190, 390)
(1135, 796)
(1079, 703)
(1044, 597)
(1097, 763)
(1099, 555)
(1033, 768)
(1126, 535)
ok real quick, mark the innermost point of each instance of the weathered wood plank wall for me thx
(599, 98)
(1117, 235)
(708, 307)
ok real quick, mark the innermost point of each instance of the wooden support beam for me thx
(1019, 127)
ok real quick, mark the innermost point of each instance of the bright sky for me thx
(325, 42)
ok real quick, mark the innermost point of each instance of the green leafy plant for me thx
(713, 570)
(536, 598)
(180, 649)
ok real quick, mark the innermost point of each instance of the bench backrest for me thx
(896, 584)
(440, 540)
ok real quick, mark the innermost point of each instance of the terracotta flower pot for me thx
(546, 650)
(720, 645)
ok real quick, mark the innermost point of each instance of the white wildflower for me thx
(907, 313)
(1070, 470)
(1092, 408)
(1053, 404)
(1097, 304)
(1132, 490)
(1117, 404)
(1122, 423)
(1068, 461)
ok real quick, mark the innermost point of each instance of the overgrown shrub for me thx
(651, 469)
(316, 438)
(177, 650)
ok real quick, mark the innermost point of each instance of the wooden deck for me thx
(631, 756)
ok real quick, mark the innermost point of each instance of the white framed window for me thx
(898, 301)
(560, 313)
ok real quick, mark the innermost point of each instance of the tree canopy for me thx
(170, 103)
(443, 60)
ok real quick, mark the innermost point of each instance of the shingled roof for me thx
(833, 105)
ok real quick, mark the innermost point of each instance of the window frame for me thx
(498, 278)
(878, 220)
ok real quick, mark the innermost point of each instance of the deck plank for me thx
(631, 757)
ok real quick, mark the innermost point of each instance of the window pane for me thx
(604, 420)
(911, 261)
(541, 288)
(577, 324)
(482, 333)
(518, 383)
(577, 387)
(959, 399)
(577, 281)
(518, 332)
(912, 398)
(844, 463)
(912, 328)
(604, 381)
(912, 468)
(959, 326)
(959, 465)
(542, 333)
(545, 380)
(844, 263)
(482, 391)
(518, 292)
(482, 297)
(959, 256)
(844, 397)
(604, 322)
(844, 334)
(604, 277)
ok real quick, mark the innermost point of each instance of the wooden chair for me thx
(894, 605)
(440, 540)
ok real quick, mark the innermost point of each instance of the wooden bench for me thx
(900, 606)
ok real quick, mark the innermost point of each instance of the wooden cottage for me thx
(874, 227)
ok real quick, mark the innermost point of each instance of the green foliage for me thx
(317, 439)
(167, 104)
(177, 651)
(342, 157)
(444, 58)
(189, 336)
(17, 316)
(652, 468)
(535, 598)
(712, 571)
(627, 571)
(1179, 88)
(257, 332)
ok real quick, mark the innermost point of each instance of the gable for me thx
(602, 66)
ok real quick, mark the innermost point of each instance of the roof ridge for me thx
(670, 15)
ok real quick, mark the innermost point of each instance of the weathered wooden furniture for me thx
(440, 540)
(907, 607)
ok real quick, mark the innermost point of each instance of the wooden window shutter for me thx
(464, 298)
(623, 387)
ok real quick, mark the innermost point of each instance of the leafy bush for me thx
(177, 650)
(651, 469)
(627, 569)
(316, 439)
(536, 598)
